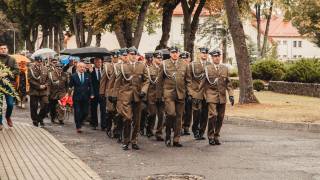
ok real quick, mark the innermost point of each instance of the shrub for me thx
(304, 70)
(233, 73)
(258, 85)
(268, 70)
(235, 83)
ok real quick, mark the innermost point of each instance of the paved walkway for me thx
(28, 152)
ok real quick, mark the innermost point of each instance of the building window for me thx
(279, 42)
(294, 56)
(284, 56)
(285, 42)
(300, 56)
(294, 43)
(299, 43)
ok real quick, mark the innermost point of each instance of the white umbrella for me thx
(45, 53)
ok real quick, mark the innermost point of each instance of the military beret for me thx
(38, 58)
(185, 55)
(215, 52)
(174, 49)
(59, 65)
(115, 53)
(123, 52)
(158, 54)
(204, 50)
(133, 50)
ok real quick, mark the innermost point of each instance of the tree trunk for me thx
(140, 23)
(61, 37)
(258, 19)
(75, 24)
(127, 30)
(266, 33)
(56, 39)
(98, 40)
(191, 27)
(241, 51)
(50, 35)
(224, 47)
(89, 37)
(120, 37)
(167, 13)
(44, 42)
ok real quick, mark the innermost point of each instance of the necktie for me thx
(99, 74)
(82, 79)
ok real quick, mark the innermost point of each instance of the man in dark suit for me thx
(82, 92)
(96, 75)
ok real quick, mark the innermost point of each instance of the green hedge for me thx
(258, 85)
(267, 70)
(304, 70)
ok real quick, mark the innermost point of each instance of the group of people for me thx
(135, 96)
(172, 92)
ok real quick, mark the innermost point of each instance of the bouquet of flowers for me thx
(5, 85)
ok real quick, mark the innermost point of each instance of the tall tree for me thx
(191, 14)
(126, 18)
(241, 51)
(168, 7)
(266, 32)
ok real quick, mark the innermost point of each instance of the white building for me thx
(290, 44)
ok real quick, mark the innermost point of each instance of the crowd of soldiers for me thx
(136, 97)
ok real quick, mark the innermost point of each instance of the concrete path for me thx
(28, 152)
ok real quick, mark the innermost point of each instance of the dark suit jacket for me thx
(95, 82)
(81, 91)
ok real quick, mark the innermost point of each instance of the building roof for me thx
(278, 27)
(179, 12)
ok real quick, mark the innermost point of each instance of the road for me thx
(246, 153)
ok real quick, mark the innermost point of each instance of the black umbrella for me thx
(87, 52)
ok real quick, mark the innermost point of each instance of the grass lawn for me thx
(278, 107)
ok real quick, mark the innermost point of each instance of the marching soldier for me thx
(39, 91)
(199, 105)
(215, 85)
(187, 115)
(153, 87)
(176, 78)
(58, 82)
(106, 86)
(129, 97)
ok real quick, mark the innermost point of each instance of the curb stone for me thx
(310, 127)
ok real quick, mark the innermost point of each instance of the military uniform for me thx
(39, 91)
(215, 85)
(175, 80)
(106, 89)
(155, 101)
(58, 82)
(129, 82)
(199, 105)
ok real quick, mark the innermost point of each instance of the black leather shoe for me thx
(186, 132)
(196, 135)
(109, 134)
(211, 142)
(35, 124)
(135, 147)
(41, 124)
(216, 141)
(177, 144)
(119, 139)
(125, 147)
(168, 142)
(159, 138)
(200, 138)
(150, 134)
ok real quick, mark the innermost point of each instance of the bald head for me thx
(81, 67)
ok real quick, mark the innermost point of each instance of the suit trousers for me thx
(174, 112)
(136, 108)
(34, 102)
(53, 109)
(187, 116)
(216, 116)
(80, 111)
(155, 110)
(200, 117)
(97, 100)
